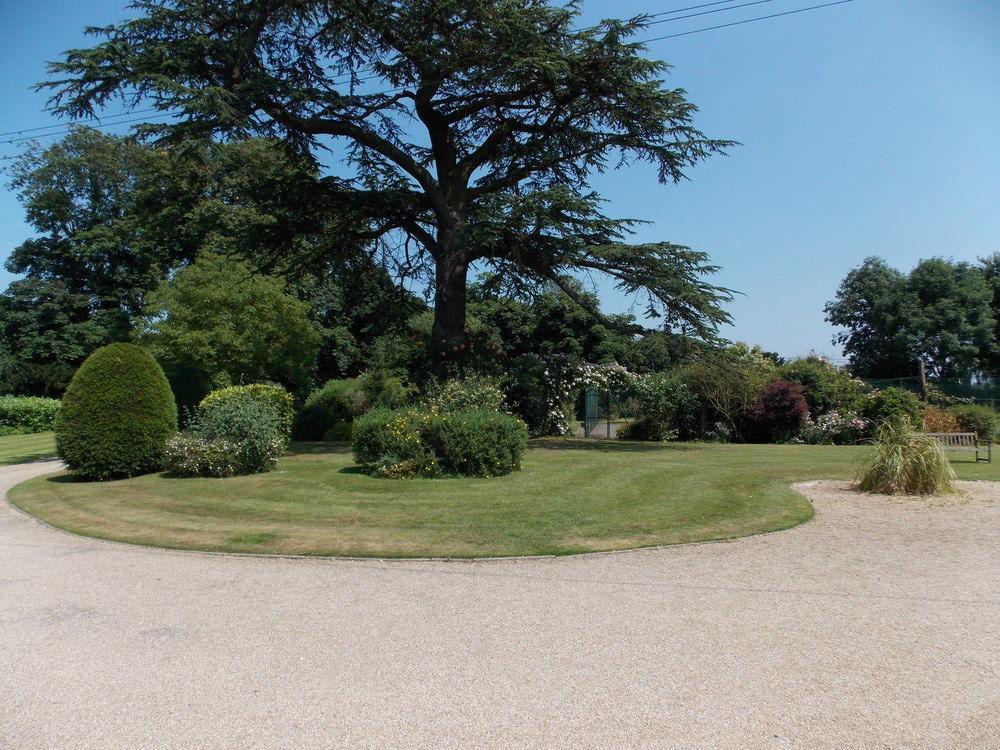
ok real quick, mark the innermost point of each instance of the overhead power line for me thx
(748, 20)
(67, 128)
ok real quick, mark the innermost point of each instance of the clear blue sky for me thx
(871, 128)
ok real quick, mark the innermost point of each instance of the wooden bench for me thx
(967, 442)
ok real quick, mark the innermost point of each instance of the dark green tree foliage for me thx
(989, 356)
(117, 415)
(516, 107)
(953, 318)
(941, 313)
(872, 306)
(46, 331)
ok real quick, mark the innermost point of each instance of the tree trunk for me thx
(448, 333)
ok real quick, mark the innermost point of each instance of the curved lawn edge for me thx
(138, 546)
(650, 497)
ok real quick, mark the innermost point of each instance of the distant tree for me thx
(77, 195)
(471, 128)
(941, 313)
(989, 356)
(953, 319)
(239, 327)
(113, 216)
(873, 307)
(46, 331)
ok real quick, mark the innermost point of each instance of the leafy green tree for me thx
(78, 195)
(873, 307)
(237, 326)
(46, 331)
(516, 108)
(953, 318)
(941, 313)
(989, 356)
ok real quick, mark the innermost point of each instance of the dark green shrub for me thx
(413, 442)
(274, 396)
(645, 428)
(27, 414)
(343, 400)
(891, 405)
(982, 420)
(117, 415)
(340, 432)
(190, 385)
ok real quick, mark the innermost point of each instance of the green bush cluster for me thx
(22, 415)
(339, 402)
(279, 399)
(892, 405)
(418, 442)
(117, 415)
(237, 430)
(826, 387)
(665, 405)
(982, 420)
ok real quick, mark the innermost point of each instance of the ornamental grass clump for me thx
(904, 462)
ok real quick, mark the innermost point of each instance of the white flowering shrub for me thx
(835, 428)
(474, 393)
(242, 434)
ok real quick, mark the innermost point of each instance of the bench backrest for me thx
(955, 439)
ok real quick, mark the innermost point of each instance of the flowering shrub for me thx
(834, 429)
(777, 414)
(474, 393)
(892, 405)
(429, 443)
(827, 387)
(238, 434)
(188, 455)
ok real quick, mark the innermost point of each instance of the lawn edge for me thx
(376, 558)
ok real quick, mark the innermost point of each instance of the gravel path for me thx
(873, 626)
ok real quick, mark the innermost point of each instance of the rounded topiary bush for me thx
(117, 415)
(417, 442)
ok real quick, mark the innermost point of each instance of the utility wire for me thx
(67, 129)
(748, 20)
(368, 78)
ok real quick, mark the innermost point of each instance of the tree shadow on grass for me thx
(319, 449)
(605, 445)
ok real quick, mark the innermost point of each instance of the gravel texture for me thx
(873, 626)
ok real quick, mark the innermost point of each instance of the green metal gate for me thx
(591, 411)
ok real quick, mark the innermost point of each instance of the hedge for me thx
(117, 415)
(414, 442)
(27, 414)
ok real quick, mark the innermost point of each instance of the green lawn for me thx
(17, 449)
(572, 496)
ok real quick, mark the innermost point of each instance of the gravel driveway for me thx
(869, 627)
